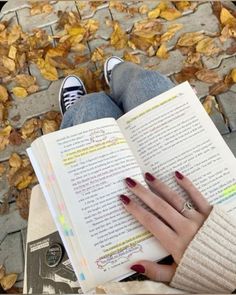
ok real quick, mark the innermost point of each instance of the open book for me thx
(82, 169)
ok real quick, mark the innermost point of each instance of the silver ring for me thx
(187, 206)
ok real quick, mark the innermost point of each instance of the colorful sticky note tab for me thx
(82, 277)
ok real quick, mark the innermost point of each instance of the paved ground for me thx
(13, 227)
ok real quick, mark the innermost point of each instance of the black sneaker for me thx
(71, 90)
(109, 65)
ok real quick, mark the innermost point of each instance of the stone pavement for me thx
(13, 227)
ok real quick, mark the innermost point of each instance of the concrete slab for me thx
(227, 102)
(230, 139)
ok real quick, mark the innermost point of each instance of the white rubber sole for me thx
(105, 67)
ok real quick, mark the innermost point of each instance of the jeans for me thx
(131, 86)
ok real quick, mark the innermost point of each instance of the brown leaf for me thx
(2, 170)
(207, 46)
(3, 94)
(23, 202)
(14, 34)
(25, 81)
(208, 76)
(218, 88)
(21, 177)
(30, 128)
(183, 5)
(190, 39)
(8, 281)
(154, 13)
(143, 9)
(15, 138)
(2, 271)
(193, 58)
(186, 74)
(49, 126)
(208, 103)
(9, 63)
(226, 17)
(98, 55)
(12, 52)
(32, 89)
(170, 14)
(131, 57)
(15, 161)
(4, 72)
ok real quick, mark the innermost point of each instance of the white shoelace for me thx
(71, 96)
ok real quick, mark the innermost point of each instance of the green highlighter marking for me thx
(229, 191)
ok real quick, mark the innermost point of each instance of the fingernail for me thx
(149, 177)
(179, 175)
(130, 182)
(125, 199)
(138, 268)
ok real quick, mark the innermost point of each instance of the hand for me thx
(180, 225)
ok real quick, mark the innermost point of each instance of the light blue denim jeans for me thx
(131, 85)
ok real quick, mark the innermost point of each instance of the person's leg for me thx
(90, 107)
(132, 85)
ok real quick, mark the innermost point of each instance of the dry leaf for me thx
(98, 55)
(208, 76)
(218, 88)
(172, 29)
(2, 170)
(49, 126)
(183, 5)
(15, 138)
(8, 63)
(118, 37)
(131, 57)
(186, 74)
(8, 281)
(48, 71)
(207, 47)
(2, 268)
(208, 103)
(193, 58)
(25, 81)
(14, 34)
(20, 92)
(30, 128)
(162, 52)
(3, 94)
(60, 62)
(143, 9)
(226, 17)
(32, 89)
(190, 39)
(233, 75)
(12, 52)
(154, 13)
(170, 14)
(23, 202)
(47, 8)
(15, 161)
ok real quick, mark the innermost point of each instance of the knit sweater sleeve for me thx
(209, 263)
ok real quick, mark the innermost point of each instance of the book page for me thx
(173, 132)
(90, 162)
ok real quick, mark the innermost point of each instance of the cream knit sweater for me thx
(207, 266)
(209, 263)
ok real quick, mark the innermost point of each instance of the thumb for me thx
(154, 271)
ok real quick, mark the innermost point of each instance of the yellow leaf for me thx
(53, 52)
(143, 9)
(49, 72)
(78, 47)
(207, 46)
(20, 92)
(9, 63)
(190, 39)
(154, 13)
(47, 8)
(208, 103)
(118, 37)
(170, 14)
(49, 126)
(172, 29)
(12, 52)
(226, 17)
(15, 161)
(3, 94)
(25, 81)
(74, 31)
(8, 281)
(14, 34)
(233, 75)
(162, 52)
(6, 131)
(24, 183)
(98, 54)
(131, 57)
(183, 5)
(163, 5)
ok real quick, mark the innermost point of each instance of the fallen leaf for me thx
(8, 281)
(48, 71)
(118, 37)
(208, 103)
(12, 52)
(3, 94)
(143, 9)
(186, 74)
(226, 17)
(207, 46)
(23, 202)
(47, 8)
(6, 131)
(3, 142)
(170, 14)
(15, 161)
(183, 5)
(14, 34)
(233, 75)
(190, 39)
(154, 13)
(60, 62)
(9, 63)
(2, 170)
(98, 55)
(32, 89)
(15, 138)
(49, 126)
(218, 88)
(162, 52)
(172, 29)
(208, 76)
(30, 128)
(25, 81)
(193, 58)
(2, 268)
(20, 92)
(131, 57)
